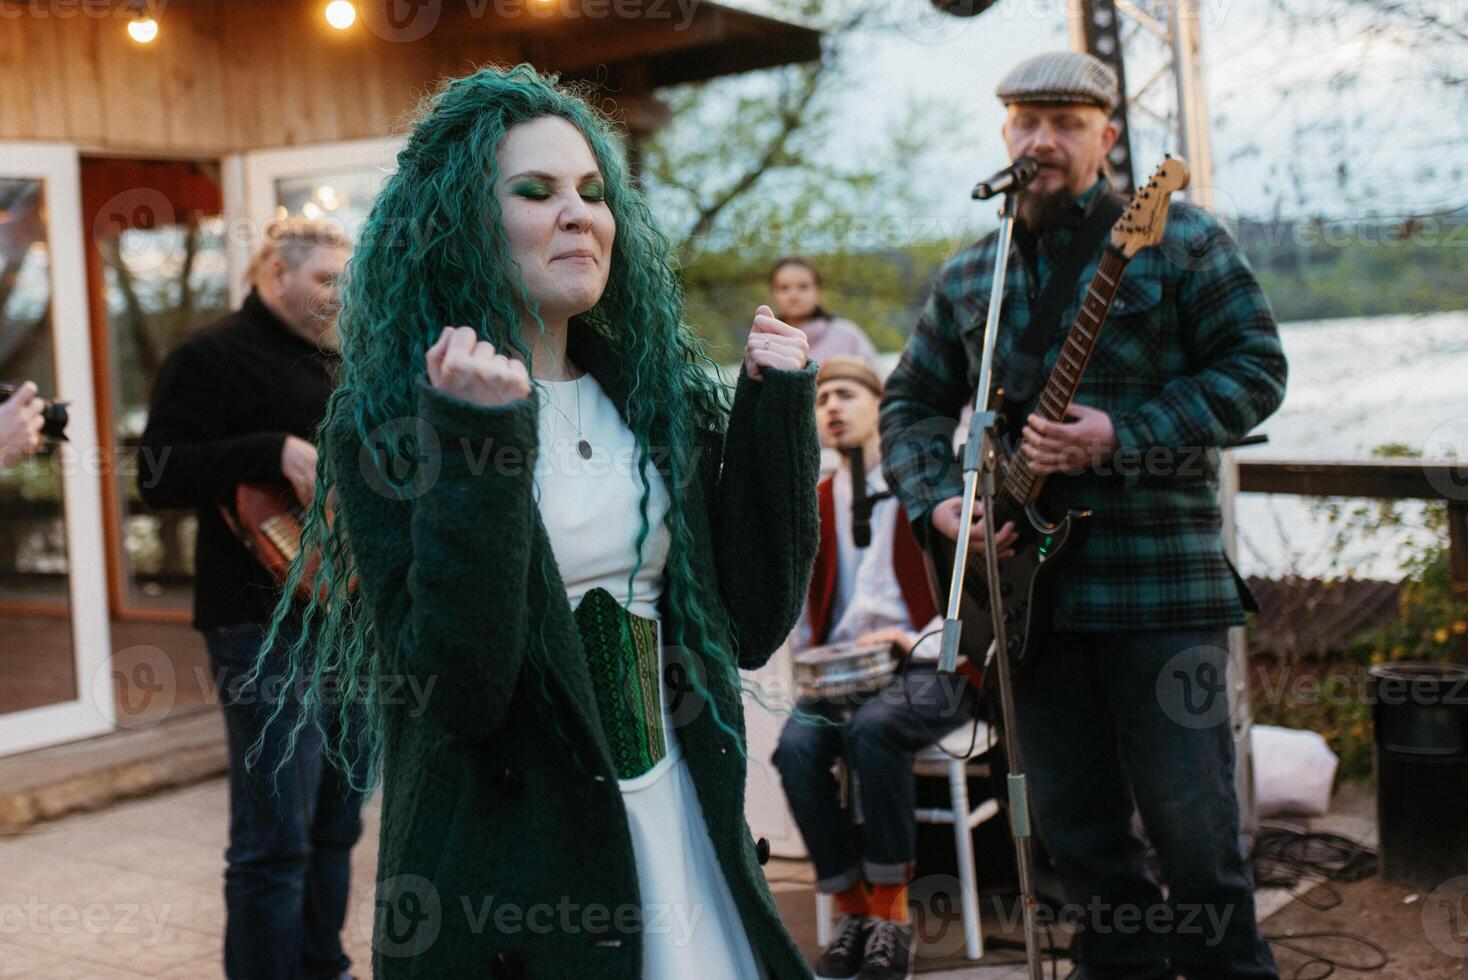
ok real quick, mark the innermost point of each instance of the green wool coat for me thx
(501, 854)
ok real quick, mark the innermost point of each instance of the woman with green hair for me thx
(547, 545)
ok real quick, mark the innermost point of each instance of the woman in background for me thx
(796, 287)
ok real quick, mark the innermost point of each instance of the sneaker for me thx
(842, 958)
(889, 952)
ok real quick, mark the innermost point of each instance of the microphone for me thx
(1011, 178)
(861, 510)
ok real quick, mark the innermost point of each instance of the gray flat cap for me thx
(1060, 76)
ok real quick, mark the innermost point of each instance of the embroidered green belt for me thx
(622, 653)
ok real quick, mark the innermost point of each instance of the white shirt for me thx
(590, 506)
(868, 596)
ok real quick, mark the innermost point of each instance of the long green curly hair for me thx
(433, 252)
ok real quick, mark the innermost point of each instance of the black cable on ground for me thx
(1283, 857)
(1325, 964)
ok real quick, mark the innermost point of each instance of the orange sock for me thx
(853, 901)
(889, 902)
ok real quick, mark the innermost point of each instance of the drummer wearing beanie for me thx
(868, 586)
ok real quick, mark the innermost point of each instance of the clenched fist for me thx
(773, 343)
(462, 365)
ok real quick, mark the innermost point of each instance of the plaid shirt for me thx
(1189, 359)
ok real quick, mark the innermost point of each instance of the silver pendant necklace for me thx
(582, 446)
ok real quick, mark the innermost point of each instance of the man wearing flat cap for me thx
(868, 586)
(1188, 361)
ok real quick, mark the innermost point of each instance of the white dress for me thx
(590, 508)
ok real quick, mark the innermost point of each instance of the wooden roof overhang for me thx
(237, 75)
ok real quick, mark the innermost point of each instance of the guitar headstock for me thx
(1145, 217)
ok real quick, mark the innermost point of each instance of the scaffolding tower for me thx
(1108, 29)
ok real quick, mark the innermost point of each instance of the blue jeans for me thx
(878, 741)
(288, 865)
(1112, 724)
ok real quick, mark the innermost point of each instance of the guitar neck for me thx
(1020, 482)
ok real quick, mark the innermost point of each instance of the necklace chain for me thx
(552, 403)
(582, 446)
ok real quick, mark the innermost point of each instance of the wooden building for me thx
(143, 144)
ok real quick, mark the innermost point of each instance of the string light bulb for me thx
(142, 29)
(341, 14)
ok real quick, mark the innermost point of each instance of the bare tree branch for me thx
(791, 118)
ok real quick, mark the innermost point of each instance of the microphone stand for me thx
(980, 475)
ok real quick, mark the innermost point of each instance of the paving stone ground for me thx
(134, 893)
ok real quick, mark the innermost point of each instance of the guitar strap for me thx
(1022, 375)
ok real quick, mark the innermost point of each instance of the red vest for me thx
(907, 564)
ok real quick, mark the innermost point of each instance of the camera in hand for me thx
(53, 416)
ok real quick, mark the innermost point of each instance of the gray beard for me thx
(1043, 213)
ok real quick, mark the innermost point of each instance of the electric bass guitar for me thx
(267, 518)
(1027, 580)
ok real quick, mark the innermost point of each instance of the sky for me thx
(1292, 132)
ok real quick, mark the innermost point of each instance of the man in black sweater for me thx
(239, 402)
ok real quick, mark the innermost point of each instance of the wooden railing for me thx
(1392, 479)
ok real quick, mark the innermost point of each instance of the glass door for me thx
(55, 681)
(331, 181)
(156, 274)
